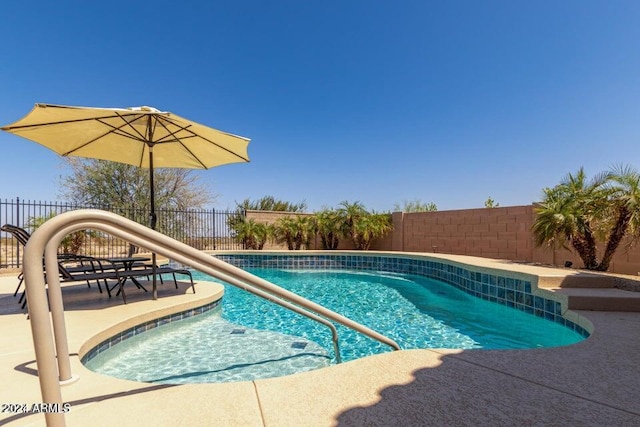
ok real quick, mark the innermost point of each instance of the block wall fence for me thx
(502, 233)
(491, 233)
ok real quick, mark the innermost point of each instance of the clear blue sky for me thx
(378, 101)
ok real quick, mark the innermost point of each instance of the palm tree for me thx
(625, 210)
(350, 213)
(328, 225)
(570, 213)
(369, 227)
(252, 234)
(270, 203)
(304, 231)
(265, 203)
(362, 226)
(294, 232)
(284, 231)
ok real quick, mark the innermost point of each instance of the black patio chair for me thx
(82, 268)
(82, 263)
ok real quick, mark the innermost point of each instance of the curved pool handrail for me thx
(46, 239)
(232, 281)
(294, 308)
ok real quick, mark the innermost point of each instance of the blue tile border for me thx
(509, 291)
(143, 327)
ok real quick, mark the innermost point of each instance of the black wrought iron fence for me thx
(205, 229)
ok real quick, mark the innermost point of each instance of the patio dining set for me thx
(113, 273)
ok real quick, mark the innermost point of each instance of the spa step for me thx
(601, 299)
(581, 280)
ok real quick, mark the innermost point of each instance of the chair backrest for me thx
(20, 234)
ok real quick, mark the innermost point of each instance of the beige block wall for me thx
(502, 233)
(492, 233)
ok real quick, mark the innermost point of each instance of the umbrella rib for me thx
(193, 134)
(179, 141)
(128, 123)
(225, 149)
(165, 140)
(114, 129)
(61, 122)
(141, 138)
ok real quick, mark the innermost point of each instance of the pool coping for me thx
(136, 326)
(591, 382)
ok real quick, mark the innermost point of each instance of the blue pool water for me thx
(252, 338)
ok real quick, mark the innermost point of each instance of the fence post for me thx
(17, 223)
(244, 218)
(213, 212)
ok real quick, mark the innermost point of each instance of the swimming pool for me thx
(252, 338)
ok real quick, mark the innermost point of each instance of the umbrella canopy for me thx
(127, 135)
(140, 136)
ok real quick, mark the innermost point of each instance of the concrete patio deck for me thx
(595, 382)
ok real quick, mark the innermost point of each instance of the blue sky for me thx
(377, 101)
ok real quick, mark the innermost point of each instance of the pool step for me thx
(210, 350)
(243, 354)
(579, 280)
(591, 280)
(601, 299)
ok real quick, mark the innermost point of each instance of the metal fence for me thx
(204, 229)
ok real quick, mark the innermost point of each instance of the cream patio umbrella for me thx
(140, 136)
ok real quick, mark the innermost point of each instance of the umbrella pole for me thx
(153, 221)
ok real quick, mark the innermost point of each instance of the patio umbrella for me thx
(140, 136)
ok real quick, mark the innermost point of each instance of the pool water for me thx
(251, 338)
(205, 349)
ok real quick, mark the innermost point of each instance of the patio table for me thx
(128, 263)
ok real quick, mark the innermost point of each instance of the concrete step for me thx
(587, 280)
(591, 280)
(601, 299)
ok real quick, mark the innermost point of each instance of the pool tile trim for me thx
(515, 292)
(147, 326)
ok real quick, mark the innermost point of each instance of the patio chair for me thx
(78, 268)
(22, 236)
(105, 269)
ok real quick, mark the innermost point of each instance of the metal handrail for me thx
(294, 308)
(46, 239)
(247, 287)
